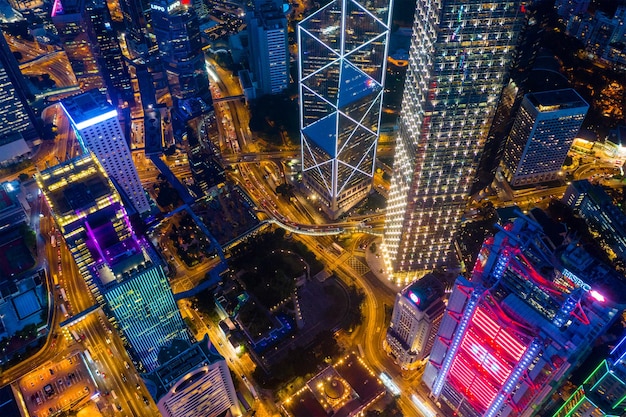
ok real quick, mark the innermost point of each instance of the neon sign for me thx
(414, 297)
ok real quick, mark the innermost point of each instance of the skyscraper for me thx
(96, 125)
(458, 63)
(342, 60)
(603, 393)
(177, 32)
(121, 270)
(17, 121)
(71, 25)
(416, 316)
(108, 51)
(513, 332)
(269, 53)
(542, 134)
(193, 380)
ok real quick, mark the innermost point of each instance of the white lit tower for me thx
(458, 64)
(343, 50)
(96, 125)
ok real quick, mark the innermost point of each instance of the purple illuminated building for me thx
(122, 271)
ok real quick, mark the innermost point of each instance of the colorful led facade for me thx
(458, 64)
(342, 60)
(513, 332)
(542, 134)
(96, 125)
(603, 393)
(121, 270)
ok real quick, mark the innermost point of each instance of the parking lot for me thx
(57, 386)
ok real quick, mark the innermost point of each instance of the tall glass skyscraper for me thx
(458, 63)
(343, 50)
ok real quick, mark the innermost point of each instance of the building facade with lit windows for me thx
(607, 220)
(177, 31)
(603, 393)
(542, 134)
(96, 125)
(193, 380)
(269, 53)
(342, 62)
(517, 328)
(121, 270)
(458, 64)
(71, 25)
(417, 312)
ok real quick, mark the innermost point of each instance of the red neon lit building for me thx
(521, 322)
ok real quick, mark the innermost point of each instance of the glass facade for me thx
(146, 313)
(542, 134)
(458, 64)
(177, 32)
(343, 50)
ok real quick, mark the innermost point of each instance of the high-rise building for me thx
(98, 129)
(515, 330)
(71, 26)
(269, 53)
(177, 31)
(607, 220)
(603, 393)
(121, 270)
(144, 308)
(108, 51)
(17, 121)
(542, 134)
(342, 60)
(415, 320)
(193, 380)
(458, 63)
(133, 14)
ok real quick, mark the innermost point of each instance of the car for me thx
(48, 390)
(145, 400)
(126, 365)
(123, 377)
(119, 407)
(138, 386)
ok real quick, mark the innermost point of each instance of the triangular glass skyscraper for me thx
(343, 52)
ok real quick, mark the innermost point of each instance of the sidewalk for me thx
(377, 266)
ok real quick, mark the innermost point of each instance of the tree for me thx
(23, 177)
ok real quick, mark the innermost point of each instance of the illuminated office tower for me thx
(67, 16)
(134, 17)
(17, 120)
(541, 136)
(458, 63)
(177, 31)
(193, 380)
(121, 270)
(516, 329)
(416, 316)
(603, 393)
(108, 51)
(343, 52)
(95, 122)
(269, 53)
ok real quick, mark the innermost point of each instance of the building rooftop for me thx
(424, 292)
(178, 359)
(557, 100)
(75, 185)
(88, 108)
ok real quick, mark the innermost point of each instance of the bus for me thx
(64, 310)
(63, 295)
(53, 240)
(75, 335)
(88, 355)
